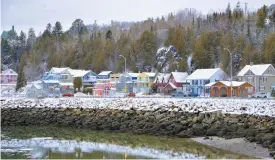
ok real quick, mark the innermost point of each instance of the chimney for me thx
(12, 28)
(251, 63)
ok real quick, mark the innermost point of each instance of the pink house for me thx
(103, 89)
(8, 76)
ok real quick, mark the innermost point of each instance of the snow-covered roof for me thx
(159, 78)
(162, 78)
(78, 73)
(51, 81)
(104, 73)
(66, 84)
(180, 77)
(58, 70)
(172, 85)
(35, 85)
(150, 74)
(203, 74)
(38, 86)
(8, 72)
(133, 74)
(227, 83)
(166, 77)
(257, 69)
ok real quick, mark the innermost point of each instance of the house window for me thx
(249, 79)
(262, 88)
(206, 81)
(264, 79)
(195, 82)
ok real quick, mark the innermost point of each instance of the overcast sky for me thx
(24, 14)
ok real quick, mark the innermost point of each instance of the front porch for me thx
(220, 89)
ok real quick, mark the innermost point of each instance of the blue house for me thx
(52, 78)
(200, 77)
(133, 76)
(104, 76)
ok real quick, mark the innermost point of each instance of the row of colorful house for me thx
(205, 82)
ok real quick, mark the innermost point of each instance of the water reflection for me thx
(63, 143)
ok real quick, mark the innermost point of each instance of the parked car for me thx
(178, 94)
(259, 95)
(190, 94)
(68, 95)
(131, 95)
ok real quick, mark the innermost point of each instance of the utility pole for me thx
(230, 70)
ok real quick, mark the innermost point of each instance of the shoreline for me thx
(236, 145)
(151, 118)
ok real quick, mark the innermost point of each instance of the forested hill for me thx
(162, 44)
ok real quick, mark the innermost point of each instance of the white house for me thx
(262, 76)
(201, 77)
(8, 76)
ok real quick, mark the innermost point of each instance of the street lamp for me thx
(230, 71)
(124, 71)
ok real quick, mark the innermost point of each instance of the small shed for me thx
(223, 89)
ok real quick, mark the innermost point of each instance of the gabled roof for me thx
(162, 78)
(104, 73)
(166, 77)
(78, 73)
(159, 78)
(133, 74)
(150, 74)
(8, 72)
(203, 74)
(257, 69)
(56, 70)
(180, 77)
(171, 85)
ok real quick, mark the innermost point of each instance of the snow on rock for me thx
(232, 106)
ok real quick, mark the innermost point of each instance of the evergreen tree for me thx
(170, 36)
(21, 80)
(108, 35)
(238, 12)
(261, 16)
(183, 65)
(22, 39)
(48, 30)
(57, 29)
(269, 49)
(5, 48)
(228, 12)
(31, 38)
(203, 56)
(77, 83)
(179, 40)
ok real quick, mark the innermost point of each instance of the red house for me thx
(167, 83)
(177, 82)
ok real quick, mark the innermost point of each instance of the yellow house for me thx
(115, 77)
(144, 82)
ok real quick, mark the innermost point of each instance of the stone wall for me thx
(169, 123)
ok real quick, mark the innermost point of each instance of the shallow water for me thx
(69, 143)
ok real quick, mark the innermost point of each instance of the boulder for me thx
(184, 134)
(272, 146)
(198, 130)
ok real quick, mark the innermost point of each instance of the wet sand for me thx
(238, 145)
